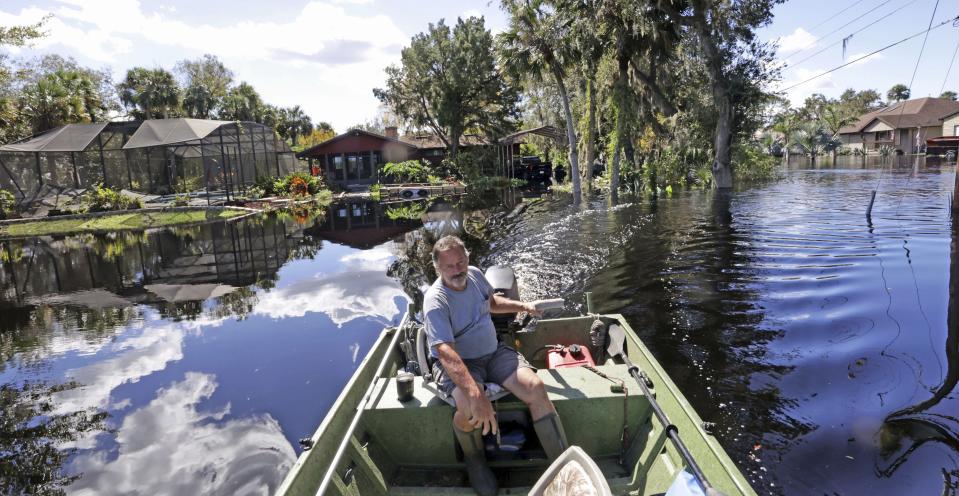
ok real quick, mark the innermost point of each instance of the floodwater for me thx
(823, 344)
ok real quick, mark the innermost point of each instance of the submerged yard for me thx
(819, 342)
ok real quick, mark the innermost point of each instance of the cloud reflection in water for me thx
(169, 447)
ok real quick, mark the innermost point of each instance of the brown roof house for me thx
(355, 157)
(904, 126)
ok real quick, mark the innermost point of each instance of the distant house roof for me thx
(547, 131)
(351, 132)
(426, 141)
(921, 112)
(416, 141)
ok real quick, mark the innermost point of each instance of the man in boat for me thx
(463, 341)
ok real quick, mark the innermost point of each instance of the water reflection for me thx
(168, 342)
(906, 430)
(173, 446)
(35, 442)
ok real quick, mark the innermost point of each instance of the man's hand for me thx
(530, 308)
(482, 414)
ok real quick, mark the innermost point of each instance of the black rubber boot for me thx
(551, 435)
(481, 477)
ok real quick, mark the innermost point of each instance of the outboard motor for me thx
(504, 284)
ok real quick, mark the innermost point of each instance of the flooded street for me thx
(824, 345)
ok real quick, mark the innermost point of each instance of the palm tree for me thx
(300, 123)
(59, 98)
(834, 119)
(150, 93)
(198, 101)
(786, 123)
(586, 48)
(243, 103)
(898, 93)
(813, 139)
(530, 46)
(639, 40)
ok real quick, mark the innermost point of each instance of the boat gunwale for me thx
(383, 344)
(686, 408)
(383, 348)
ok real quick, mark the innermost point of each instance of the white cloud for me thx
(798, 94)
(799, 39)
(330, 71)
(171, 447)
(96, 43)
(872, 58)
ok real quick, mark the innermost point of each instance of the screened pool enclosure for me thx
(153, 157)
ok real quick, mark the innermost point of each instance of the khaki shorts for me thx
(495, 367)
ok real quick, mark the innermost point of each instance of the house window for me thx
(884, 135)
(352, 167)
(366, 169)
(337, 166)
(955, 130)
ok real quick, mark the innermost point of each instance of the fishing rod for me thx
(617, 336)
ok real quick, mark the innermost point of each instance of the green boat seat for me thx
(418, 433)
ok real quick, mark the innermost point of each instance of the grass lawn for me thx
(119, 222)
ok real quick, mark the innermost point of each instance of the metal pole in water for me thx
(589, 302)
(872, 200)
(955, 188)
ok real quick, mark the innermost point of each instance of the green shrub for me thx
(255, 192)
(297, 184)
(751, 163)
(265, 184)
(186, 185)
(7, 203)
(103, 199)
(409, 171)
(474, 163)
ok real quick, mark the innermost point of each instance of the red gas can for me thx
(573, 355)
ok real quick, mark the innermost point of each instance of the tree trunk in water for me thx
(722, 172)
(620, 126)
(570, 133)
(587, 171)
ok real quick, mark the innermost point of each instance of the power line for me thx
(943, 23)
(946, 79)
(824, 21)
(840, 27)
(853, 33)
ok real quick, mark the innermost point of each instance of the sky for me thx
(327, 56)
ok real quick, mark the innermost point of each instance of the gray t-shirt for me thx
(461, 317)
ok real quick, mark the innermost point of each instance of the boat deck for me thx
(416, 439)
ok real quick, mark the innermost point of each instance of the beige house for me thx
(950, 125)
(904, 126)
